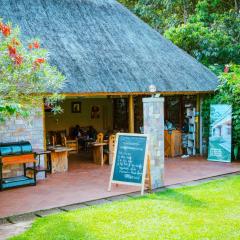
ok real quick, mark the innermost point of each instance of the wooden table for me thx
(59, 158)
(98, 152)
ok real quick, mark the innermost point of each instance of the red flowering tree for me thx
(26, 77)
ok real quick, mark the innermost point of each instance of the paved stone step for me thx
(73, 207)
(97, 202)
(44, 213)
(3, 221)
(26, 217)
(134, 194)
(10, 230)
(118, 198)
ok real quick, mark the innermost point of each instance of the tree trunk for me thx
(185, 11)
(237, 6)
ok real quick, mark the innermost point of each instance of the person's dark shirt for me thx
(92, 133)
(75, 132)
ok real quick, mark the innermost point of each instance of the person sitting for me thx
(92, 133)
(76, 132)
(168, 125)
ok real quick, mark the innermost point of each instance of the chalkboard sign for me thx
(130, 157)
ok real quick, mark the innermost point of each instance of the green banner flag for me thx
(220, 138)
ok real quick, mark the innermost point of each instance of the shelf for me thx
(191, 113)
(17, 181)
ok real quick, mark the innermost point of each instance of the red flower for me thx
(12, 51)
(226, 69)
(18, 59)
(6, 30)
(36, 44)
(40, 60)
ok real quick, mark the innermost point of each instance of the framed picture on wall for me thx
(76, 107)
(95, 112)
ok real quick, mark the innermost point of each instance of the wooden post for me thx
(197, 120)
(148, 178)
(45, 158)
(131, 114)
(181, 111)
(44, 127)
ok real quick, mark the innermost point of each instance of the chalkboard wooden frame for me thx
(144, 166)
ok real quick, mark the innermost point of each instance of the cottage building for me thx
(110, 58)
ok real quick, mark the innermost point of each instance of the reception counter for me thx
(172, 143)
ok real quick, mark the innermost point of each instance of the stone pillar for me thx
(153, 115)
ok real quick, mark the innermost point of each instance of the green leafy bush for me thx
(25, 74)
(227, 92)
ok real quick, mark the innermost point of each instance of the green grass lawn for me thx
(207, 211)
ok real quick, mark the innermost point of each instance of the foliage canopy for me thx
(209, 30)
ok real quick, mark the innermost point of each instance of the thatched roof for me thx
(101, 46)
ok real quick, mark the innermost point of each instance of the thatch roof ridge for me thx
(101, 46)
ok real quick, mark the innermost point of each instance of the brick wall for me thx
(19, 129)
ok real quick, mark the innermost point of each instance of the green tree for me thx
(25, 75)
(210, 37)
(228, 92)
(206, 29)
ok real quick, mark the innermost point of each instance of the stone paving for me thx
(8, 229)
(14, 225)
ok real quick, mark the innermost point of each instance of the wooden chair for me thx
(112, 139)
(64, 141)
(100, 137)
(56, 137)
(54, 140)
(73, 144)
